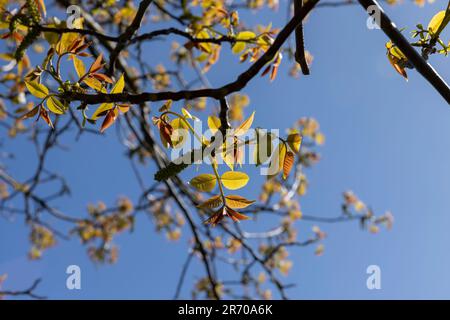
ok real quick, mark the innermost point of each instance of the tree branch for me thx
(423, 67)
(217, 93)
(129, 32)
(299, 41)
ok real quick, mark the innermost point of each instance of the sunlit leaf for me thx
(79, 67)
(214, 124)
(204, 182)
(243, 128)
(211, 203)
(37, 89)
(55, 105)
(234, 179)
(238, 202)
(95, 84)
(287, 164)
(97, 64)
(294, 141)
(120, 84)
(101, 110)
(44, 115)
(110, 118)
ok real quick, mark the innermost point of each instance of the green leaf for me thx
(204, 182)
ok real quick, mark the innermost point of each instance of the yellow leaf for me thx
(37, 89)
(238, 202)
(204, 182)
(120, 84)
(234, 179)
(276, 164)
(213, 124)
(95, 84)
(179, 132)
(186, 113)
(294, 141)
(55, 106)
(101, 109)
(166, 106)
(436, 21)
(243, 128)
(240, 45)
(79, 67)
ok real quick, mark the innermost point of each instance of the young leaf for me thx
(95, 84)
(288, 163)
(120, 84)
(395, 63)
(294, 141)
(239, 46)
(30, 113)
(217, 216)
(97, 65)
(439, 22)
(110, 118)
(37, 89)
(55, 105)
(213, 124)
(211, 203)
(204, 182)
(238, 202)
(101, 109)
(277, 161)
(80, 69)
(243, 128)
(179, 127)
(44, 115)
(234, 215)
(234, 180)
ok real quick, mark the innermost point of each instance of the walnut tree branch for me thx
(419, 63)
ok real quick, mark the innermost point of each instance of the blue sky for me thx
(386, 139)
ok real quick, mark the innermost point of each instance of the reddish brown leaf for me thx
(44, 115)
(274, 72)
(109, 120)
(102, 77)
(287, 164)
(97, 65)
(216, 217)
(234, 215)
(30, 113)
(266, 70)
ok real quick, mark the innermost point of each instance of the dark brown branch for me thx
(129, 32)
(223, 116)
(299, 41)
(217, 93)
(28, 292)
(423, 67)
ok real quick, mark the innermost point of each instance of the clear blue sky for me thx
(387, 139)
